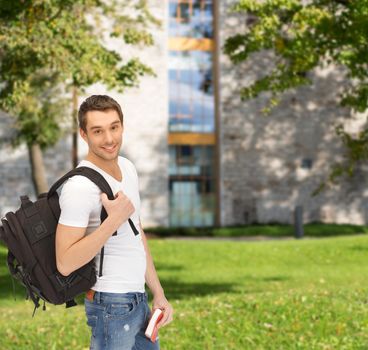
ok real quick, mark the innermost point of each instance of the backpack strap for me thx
(103, 185)
(92, 175)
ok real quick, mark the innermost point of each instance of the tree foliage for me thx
(47, 46)
(303, 35)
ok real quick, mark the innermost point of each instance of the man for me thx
(116, 307)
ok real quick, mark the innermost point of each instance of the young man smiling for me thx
(116, 307)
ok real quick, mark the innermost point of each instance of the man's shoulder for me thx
(125, 162)
(80, 184)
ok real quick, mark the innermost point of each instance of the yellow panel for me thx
(185, 44)
(184, 138)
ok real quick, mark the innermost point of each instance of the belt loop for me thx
(98, 297)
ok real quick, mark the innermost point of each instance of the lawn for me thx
(315, 229)
(289, 294)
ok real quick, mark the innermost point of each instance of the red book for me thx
(152, 329)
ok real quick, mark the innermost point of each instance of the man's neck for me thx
(109, 166)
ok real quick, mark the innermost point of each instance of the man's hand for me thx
(118, 209)
(160, 302)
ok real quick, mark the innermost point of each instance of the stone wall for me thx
(266, 160)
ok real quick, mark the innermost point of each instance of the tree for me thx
(303, 35)
(49, 49)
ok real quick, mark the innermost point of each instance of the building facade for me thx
(203, 156)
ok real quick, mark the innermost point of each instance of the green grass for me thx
(294, 294)
(270, 230)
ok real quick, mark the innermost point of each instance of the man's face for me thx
(104, 134)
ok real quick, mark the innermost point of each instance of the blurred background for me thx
(204, 156)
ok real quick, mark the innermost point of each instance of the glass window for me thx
(173, 108)
(184, 108)
(186, 151)
(192, 19)
(173, 10)
(189, 207)
(191, 92)
(191, 187)
(208, 11)
(192, 109)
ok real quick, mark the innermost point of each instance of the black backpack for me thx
(29, 235)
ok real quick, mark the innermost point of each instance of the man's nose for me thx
(108, 137)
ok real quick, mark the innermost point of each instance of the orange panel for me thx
(185, 138)
(185, 44)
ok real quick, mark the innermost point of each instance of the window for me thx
(191, 186)
(307, 163)
(192, 113)
(191, 18)
(191, 100)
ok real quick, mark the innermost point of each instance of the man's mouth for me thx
(109, 149)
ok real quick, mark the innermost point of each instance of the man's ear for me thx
(83, 134)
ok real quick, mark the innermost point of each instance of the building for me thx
(203, 156)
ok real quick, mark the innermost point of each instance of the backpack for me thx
(29, 235)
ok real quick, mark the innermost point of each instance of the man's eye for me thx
(97, 132)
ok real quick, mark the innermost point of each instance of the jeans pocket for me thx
(120, 310)
(92, 323)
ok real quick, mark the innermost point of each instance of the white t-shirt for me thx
(124, 264)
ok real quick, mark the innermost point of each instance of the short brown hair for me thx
(97, 103)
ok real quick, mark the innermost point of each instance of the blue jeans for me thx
(118, 321)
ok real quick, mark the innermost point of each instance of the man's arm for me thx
(153, 282)
(74, 249)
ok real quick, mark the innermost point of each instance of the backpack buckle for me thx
(60, 280)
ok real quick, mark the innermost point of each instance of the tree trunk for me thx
(75, 128)
(37, 168)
